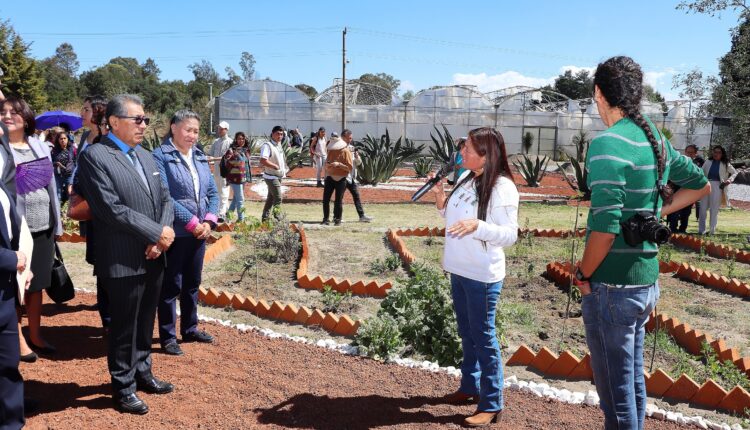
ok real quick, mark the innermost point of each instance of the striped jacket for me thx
(622, 177)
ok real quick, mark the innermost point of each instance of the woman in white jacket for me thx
(720, 173)
(481, 215)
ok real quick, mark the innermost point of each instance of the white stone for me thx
(659, 414)
(591, 399)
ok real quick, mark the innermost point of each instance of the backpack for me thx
(236, 168)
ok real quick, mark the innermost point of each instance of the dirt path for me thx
(248, 381)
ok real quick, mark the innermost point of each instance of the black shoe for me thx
(172, 349)
(325, 222)
(154, 386)
(30, 406)
(337, 222)
(320, 185)
(29, 358)
(130, 404)
(197, 336)
(46, 349)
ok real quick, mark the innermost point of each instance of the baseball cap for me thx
(224, 124)
(334, 134)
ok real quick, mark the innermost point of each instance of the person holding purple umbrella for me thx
(36, 201)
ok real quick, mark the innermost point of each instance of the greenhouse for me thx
(550, 118)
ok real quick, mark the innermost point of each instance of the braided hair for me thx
(620, 81)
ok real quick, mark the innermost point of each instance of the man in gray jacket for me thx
(132, 212)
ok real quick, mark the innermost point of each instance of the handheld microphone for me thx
(440, 174)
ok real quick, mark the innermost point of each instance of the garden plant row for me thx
(342, 325)
(659, 384)
(688, 338)
(711, 248)
(357, 287)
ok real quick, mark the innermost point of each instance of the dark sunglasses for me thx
(138, 119)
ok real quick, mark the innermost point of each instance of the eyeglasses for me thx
(138, 119)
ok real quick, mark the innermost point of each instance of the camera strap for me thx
(659, 184)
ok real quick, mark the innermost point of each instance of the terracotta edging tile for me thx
(710, 394)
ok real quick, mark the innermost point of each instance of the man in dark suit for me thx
(11, 260)
(133, 214)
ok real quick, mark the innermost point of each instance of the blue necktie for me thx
(138, 167)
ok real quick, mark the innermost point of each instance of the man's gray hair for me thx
(117, 105)
(346, 132)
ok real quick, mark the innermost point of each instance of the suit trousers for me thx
(132, 309)
(11, 383)
(182, 279)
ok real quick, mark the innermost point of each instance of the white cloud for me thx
(406, 85)
(661, 80)
(486, 83)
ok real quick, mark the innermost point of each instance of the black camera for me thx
(644, 227)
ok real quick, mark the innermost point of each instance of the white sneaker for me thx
(365, 218)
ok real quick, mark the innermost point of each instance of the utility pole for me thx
(211, 100)
(343, 80)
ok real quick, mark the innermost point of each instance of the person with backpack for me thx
(236, 162)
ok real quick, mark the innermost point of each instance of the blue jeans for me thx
(482, 367)
(238, 199)
(615, 320)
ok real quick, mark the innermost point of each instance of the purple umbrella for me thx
(56, 117)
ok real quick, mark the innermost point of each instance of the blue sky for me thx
(491, 44)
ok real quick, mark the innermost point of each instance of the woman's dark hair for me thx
(98, 109)
(57, 140)
(238, 134)
(22, 108)
(620, 81)
(489, 143)
(724, 157)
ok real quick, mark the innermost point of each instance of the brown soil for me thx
(245, 380)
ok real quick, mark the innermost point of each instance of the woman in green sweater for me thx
(629, 164)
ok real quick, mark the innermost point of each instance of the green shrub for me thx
(333, 301)
(423, 310)
(294, 156)
(389, 264)
(423, 166)
(379, 337)
(280, 242)
(532, 172)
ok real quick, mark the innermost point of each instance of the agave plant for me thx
(444, 146)
(423, 166)
(579, 184)
(381, 157)
(532, 172)
(581, 141)
(151, 143)
(294, 156)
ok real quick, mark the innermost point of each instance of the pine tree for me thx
(23, 76)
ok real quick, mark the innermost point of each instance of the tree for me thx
(696, 88)
(578, 86)
(150, 68)
(23, 76)
(205, 72)
(247, 64)
(408, 95)
(108, 80)
(650, 94)
(715, 7)
(309, 90)
(59, 72)
(733, 94)
(232, 77)
(382, 80)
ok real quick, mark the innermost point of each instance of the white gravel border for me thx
(540, 390)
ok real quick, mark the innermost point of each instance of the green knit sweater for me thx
(622, 177)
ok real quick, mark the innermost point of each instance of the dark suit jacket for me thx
(127, 217)
(8, 248)
(8, 175)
